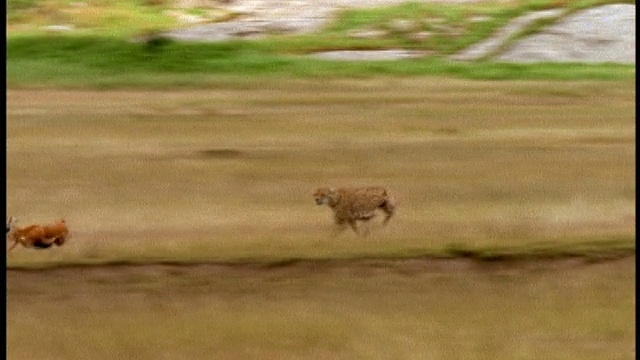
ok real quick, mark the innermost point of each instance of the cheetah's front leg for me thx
(353, 225)
(338, 229)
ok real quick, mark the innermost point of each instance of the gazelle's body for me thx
(38, 236)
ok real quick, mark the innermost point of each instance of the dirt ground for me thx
(370, 309)
(347, 267)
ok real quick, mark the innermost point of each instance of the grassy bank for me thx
(589, 251)
(103, 55)
(112, 63)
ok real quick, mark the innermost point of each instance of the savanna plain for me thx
(194, 234)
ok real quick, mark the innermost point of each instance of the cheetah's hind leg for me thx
(389, 208)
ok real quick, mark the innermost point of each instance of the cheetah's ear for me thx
(332, 189)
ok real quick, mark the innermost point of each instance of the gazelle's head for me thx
(11, 221)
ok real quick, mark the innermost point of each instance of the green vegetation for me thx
(62, 61)
(104, 55)
(109, 18)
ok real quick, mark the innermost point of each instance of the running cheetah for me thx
(352, 204)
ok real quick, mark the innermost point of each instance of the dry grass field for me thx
(226, 174)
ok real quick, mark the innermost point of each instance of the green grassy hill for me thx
(99, 51)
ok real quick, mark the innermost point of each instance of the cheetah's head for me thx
(324, 195)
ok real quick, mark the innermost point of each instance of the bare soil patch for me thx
(354, 267)
(370, 309)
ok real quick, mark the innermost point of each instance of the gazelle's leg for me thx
(12, 246)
